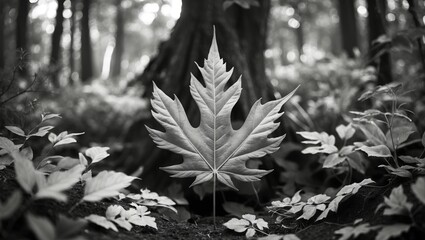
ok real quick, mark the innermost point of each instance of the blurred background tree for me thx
(96, 61)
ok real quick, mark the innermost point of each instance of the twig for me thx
(21, 92)
(390, 124)
(214, 195)
(74, 206)
(418, 24)
(15, 69)
(258, 230)
(256, 193)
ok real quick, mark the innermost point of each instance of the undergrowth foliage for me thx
(294, 208)
(50, 176)
(385, 134)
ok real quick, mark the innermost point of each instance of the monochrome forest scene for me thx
(212, 119)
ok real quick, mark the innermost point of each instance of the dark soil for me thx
(362, 205)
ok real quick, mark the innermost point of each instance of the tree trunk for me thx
(241, 37)
(119, 41)
(71, 43)
(56, 43)
(2, 25)
(86, 47)
(348, 26)
(413, 10)
(22, 29)
(379, 55)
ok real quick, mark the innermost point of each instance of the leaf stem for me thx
(393, 110)
(214, 183)
(389, 164)
(260, 231)
(349, 175)
(74, 206)
(256, 193)
(422, 153)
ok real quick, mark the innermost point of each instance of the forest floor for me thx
(360, 206)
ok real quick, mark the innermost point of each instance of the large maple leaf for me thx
(214, 150)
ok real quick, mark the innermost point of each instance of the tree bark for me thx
(72, 39)
(413, 8)
(119, 41)
(56, 43)
(21, 30)
(241, 37)
(86, 46)
(348, 26)
(2, 25)
(379, 55)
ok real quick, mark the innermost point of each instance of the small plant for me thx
(48, 177)
(117, 215)
(395, 205)
(248, 223)
(398, 128)
(214, 151)
(334, 157)
(150, 199)
(290, 208)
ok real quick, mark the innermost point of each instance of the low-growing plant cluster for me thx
(294, 208)
(381, 135)
(395, 206)
(49, 177)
